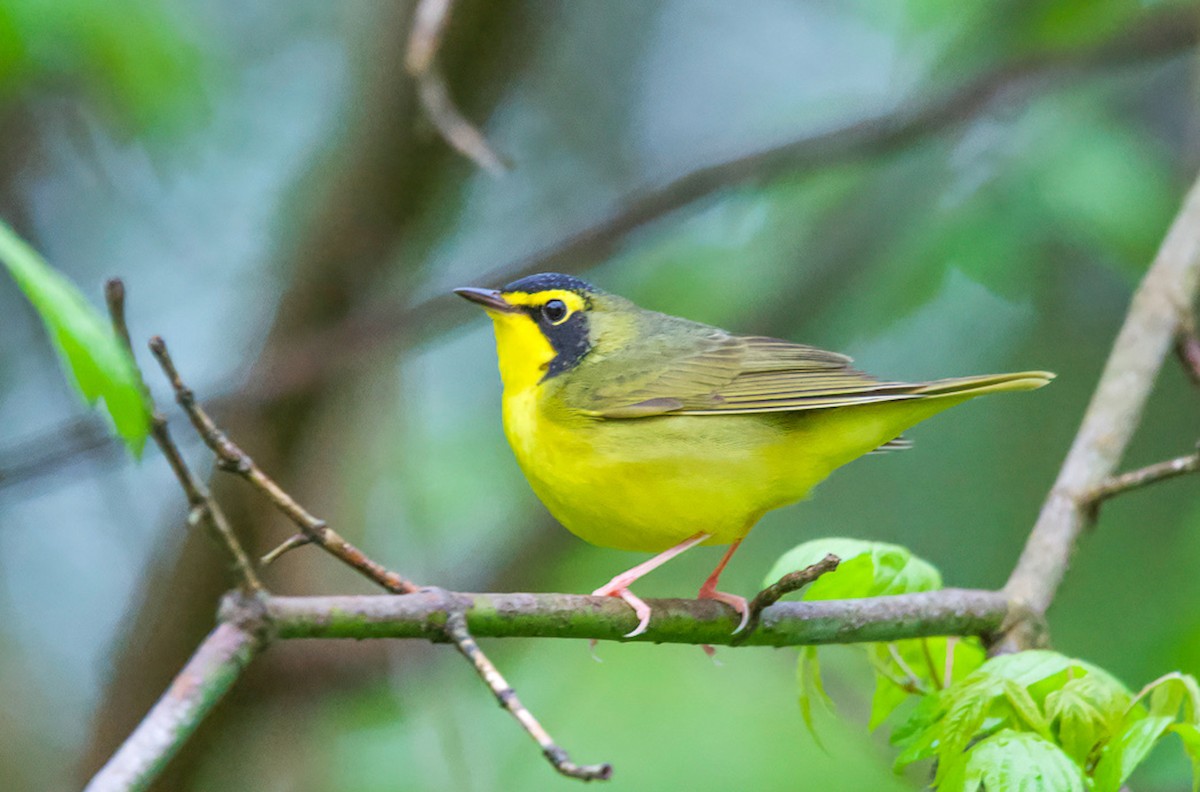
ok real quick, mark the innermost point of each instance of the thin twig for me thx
(213, 669)
(933, 671)
(456, 630)
(421, 61)
(232, 459)
(1115, 411)
(286, 546)
(910, 685)
(204, 509)
(792, 581)
(1151, 474)
(905, 668)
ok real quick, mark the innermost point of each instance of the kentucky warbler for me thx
(644, 431)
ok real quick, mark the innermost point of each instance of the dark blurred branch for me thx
(421, 61)
(1159, 306)
(306, 362)
(204, 508)
(205, 679)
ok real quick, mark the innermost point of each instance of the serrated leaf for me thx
(926, 714)
(1009, 761)
(1126, 750)
(1080, 724)
(98, 362)
(810, 687)
(964, 717)
(1025, 708)
(1027, 668)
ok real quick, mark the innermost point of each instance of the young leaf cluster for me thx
(1035, 721)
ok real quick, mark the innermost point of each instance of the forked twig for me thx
(203, 507)
(233, 459)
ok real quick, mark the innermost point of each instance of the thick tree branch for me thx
(1159, 306)
(210, 673)
(423, 615)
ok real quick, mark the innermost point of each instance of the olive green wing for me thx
(720, 374)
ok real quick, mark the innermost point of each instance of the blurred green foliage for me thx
(96, 359)
(1011, 239)
(132, 58)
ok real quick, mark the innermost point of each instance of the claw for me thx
(634, 601)
(739, 604)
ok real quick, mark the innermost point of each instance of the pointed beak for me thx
(491, 299)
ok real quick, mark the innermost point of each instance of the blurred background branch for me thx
(227, 154)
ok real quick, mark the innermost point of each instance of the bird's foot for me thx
(739, 604)
(617, 588)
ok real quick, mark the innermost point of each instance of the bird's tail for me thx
(985, 383)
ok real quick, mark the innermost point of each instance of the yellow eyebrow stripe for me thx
(537, 299)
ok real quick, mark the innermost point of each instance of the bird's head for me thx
(545, 324)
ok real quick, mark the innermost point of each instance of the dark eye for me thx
(554, 311)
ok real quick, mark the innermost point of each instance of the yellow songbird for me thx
(643, 431)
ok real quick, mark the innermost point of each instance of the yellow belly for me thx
(649, 483)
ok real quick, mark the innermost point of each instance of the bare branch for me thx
(421, 615)
(421, 61)
(204, 508)
(457, 632)
(286, 546)
(1145, 338)
(792, 581)
(205, 679)
(232, 459)
(1151, 474)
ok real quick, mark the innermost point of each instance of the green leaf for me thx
(868, 569)
(1080, 723)
(1026, 708)
(964, 717)
(918, 737)
(1190, 735)
(808, 680)
(100, 365)
(1125, 751)
(1009, 761)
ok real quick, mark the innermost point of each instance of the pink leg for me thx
(709, 589)
(619, 586)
